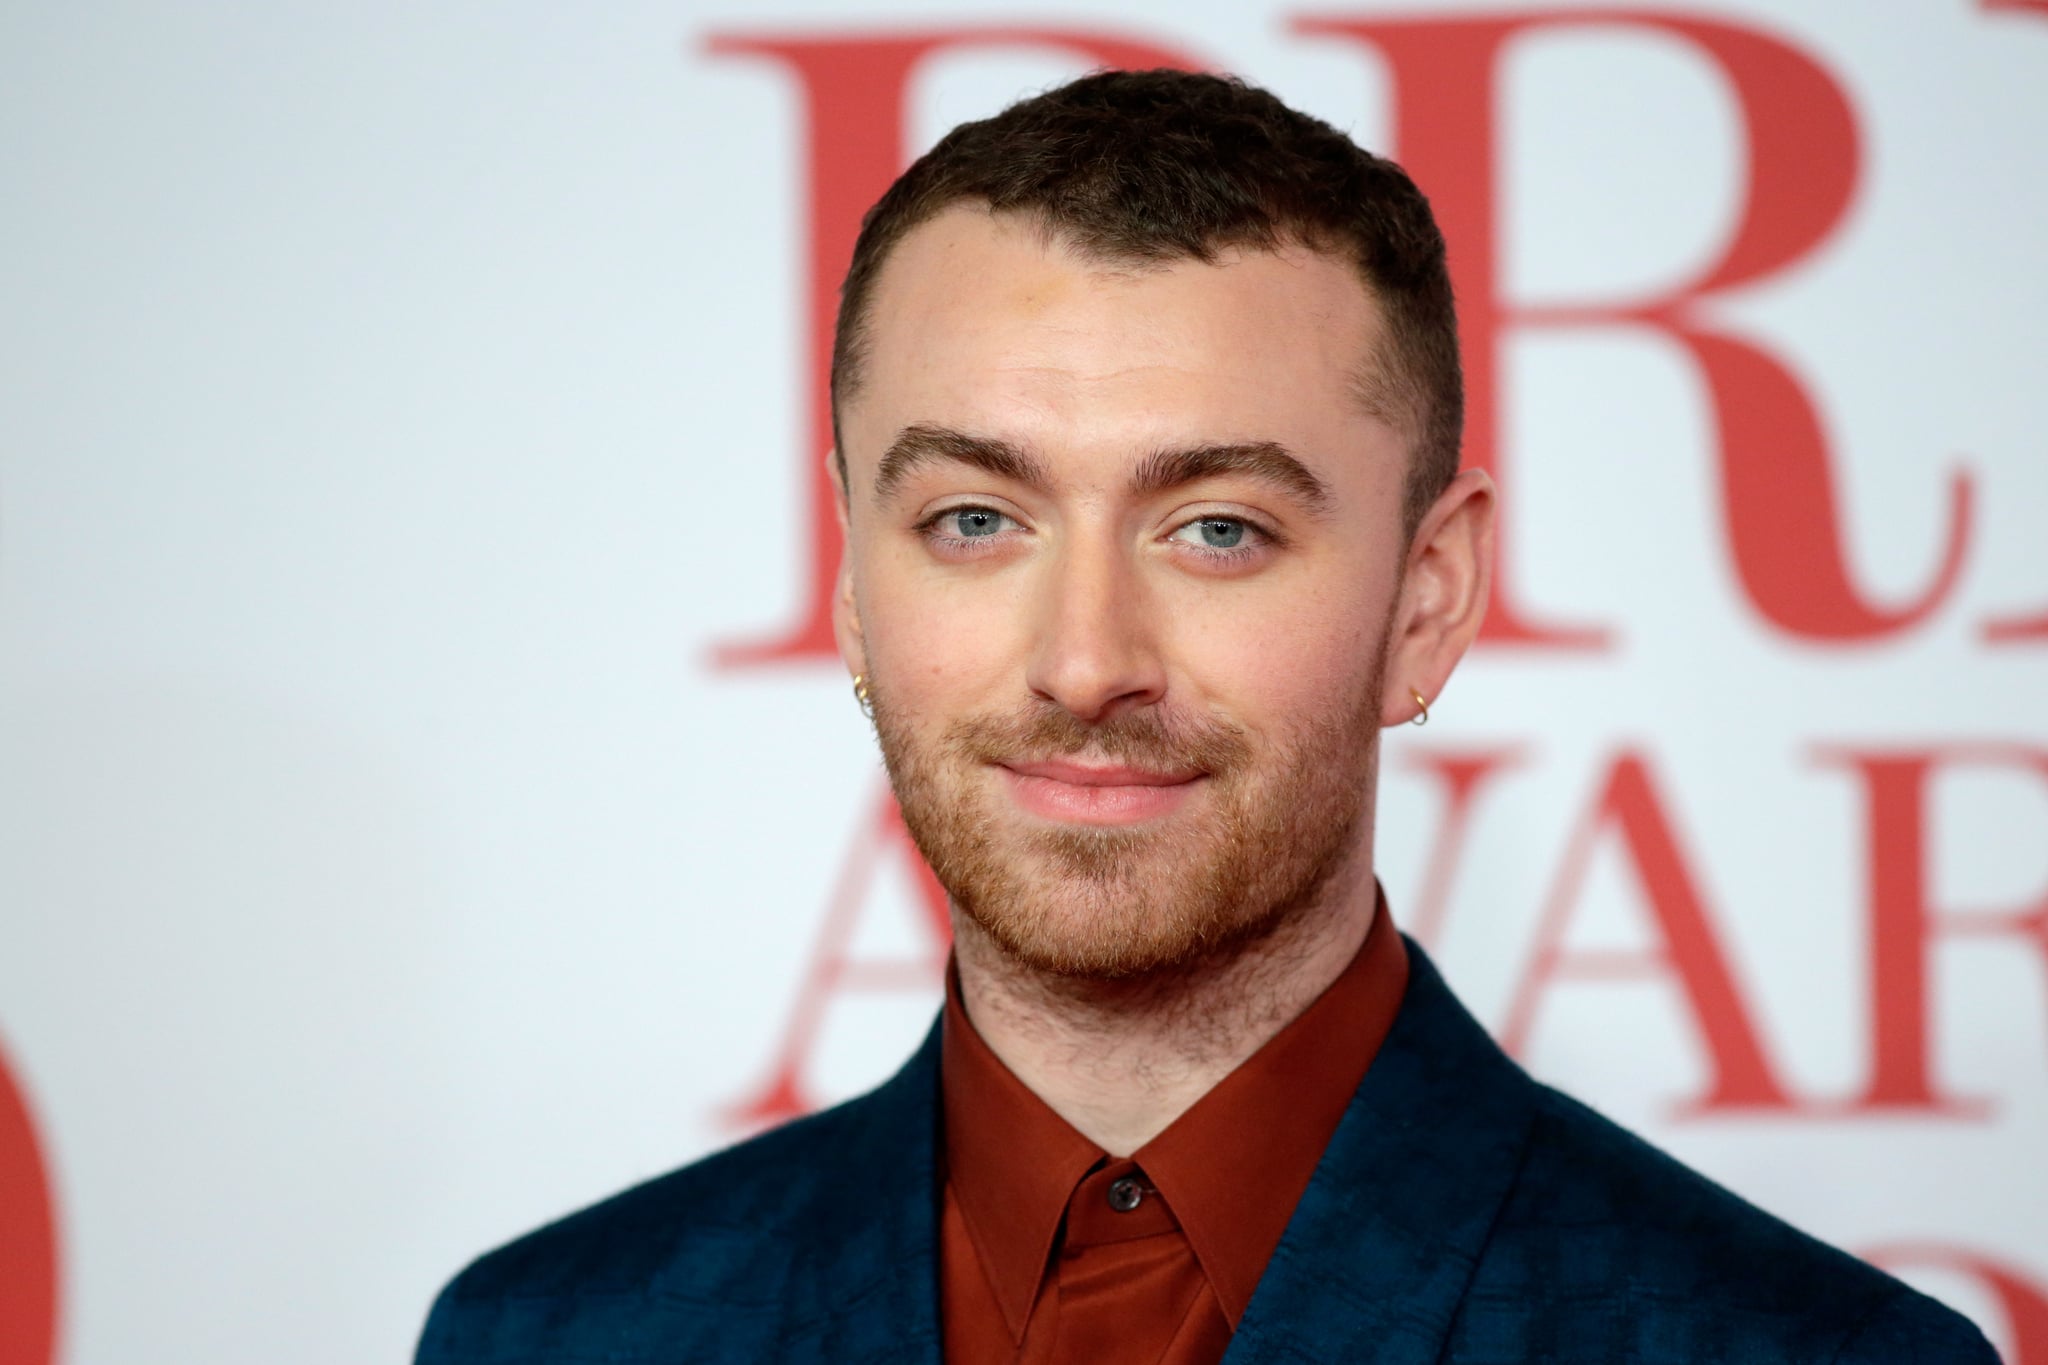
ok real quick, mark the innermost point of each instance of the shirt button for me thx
(1126, 1194)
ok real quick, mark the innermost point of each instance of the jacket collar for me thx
(1374, 1263)
(1385, 1240)
(865, 1282)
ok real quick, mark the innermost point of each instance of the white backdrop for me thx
(407, 425)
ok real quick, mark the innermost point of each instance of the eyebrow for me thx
(1268, 462)
(921, 444)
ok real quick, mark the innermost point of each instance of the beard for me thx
(1258, 846)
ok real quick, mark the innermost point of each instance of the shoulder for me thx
(631, 1239)
(715, 1240)
(1681, 1268)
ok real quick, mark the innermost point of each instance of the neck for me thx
(1121, 1060)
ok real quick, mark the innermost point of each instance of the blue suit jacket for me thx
(1462, 1212)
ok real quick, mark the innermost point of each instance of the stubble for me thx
(1273, 828)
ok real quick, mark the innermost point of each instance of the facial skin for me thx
(1126, 575)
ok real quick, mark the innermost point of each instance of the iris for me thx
(974, 522)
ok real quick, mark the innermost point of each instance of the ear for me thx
(1448, 571)
(845, 614)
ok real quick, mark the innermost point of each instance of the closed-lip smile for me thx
(1096, 794)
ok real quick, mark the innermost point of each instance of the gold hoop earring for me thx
(864, 695)
(1423, 703)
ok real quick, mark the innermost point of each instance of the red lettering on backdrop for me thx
(1779, 501)
(2023, 1302)
(854, 89)
(1689, 954)
(1783, 520)
(28, 1237)
(833, 971)
(2007, 630)
(1904, 921)
(1462, 776)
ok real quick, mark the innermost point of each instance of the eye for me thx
(972, 523)
(1216, 533)
(968, 529)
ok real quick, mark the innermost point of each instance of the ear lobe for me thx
(846, 629)
(1443, 596)
(853, 650)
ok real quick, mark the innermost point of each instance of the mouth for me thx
(1098, 794)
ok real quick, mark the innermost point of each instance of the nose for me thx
(1096, 646)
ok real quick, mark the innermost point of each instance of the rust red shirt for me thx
(1052, 1251)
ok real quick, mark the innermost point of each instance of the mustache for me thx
(1167, 741)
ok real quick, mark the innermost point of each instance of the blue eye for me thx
(973, 523)
(1214, 533)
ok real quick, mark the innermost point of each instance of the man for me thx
(1148, 407)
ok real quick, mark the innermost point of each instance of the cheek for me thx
(1271, 665)
(940, 647)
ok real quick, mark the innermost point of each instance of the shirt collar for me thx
(1012, 1162)
(1232, 1167)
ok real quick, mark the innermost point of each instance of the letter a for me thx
(1690, 955)
(833, 972)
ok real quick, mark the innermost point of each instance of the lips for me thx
(1097, 794)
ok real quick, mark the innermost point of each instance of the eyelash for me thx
(1257, 537)
(1256, 540)
(961, 545)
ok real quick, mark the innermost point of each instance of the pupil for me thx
(1222, 535)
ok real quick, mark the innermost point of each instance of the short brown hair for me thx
(1156, 166)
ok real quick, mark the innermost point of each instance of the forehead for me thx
(984, 322)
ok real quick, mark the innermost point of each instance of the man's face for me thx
(1123, 551)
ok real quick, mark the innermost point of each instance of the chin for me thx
(1089, 928)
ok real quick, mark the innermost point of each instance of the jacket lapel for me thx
(1373, 1265)
(864, 1283)
(1376, 1259)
